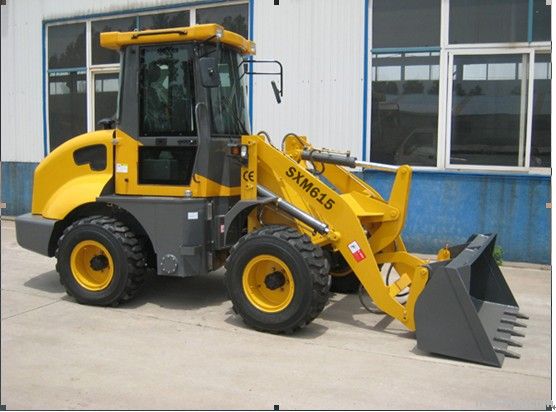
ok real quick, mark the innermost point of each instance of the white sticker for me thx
(121, 168)
(192, 215)
(356, 251)
(222, 228)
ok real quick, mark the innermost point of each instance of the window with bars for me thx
(461, 83)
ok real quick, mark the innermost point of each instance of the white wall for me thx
(320, 44)
(21, 130)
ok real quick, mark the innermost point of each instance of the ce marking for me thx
(249, 176)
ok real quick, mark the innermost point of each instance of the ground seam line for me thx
(32, 309)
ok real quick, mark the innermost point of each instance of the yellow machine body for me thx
(60, 185)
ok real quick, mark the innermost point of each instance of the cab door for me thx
(157, 138)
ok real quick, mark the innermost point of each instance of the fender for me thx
(73, 174)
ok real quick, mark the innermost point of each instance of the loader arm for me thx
(362, 226)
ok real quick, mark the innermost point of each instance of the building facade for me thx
(459, 89)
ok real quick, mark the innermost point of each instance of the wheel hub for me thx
(268, 283)
(275, 280)
(91, 265)
(99, 262)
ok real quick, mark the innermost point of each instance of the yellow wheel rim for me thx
(268, 283)
(91, 265)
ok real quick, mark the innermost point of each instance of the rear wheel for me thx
(277, 279)
(100, 261)
(343, 278)
(345, 284)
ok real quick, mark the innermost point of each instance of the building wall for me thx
(323, 71)
(446, 208)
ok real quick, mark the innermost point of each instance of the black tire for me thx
(309, 269)
(126, 252)
(347, 284)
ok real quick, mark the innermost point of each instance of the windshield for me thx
(228, 101)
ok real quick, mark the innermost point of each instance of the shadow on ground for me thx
(166, 292)
(209, 290)
(345, 308)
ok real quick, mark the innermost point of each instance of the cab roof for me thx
(201, 32)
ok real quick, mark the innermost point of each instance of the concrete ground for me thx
(179, 346)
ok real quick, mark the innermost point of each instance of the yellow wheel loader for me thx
(177, 185)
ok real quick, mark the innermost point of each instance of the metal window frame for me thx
(447, 51)
(527, 98)
(90, 69)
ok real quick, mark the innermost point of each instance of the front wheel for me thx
(277, 279)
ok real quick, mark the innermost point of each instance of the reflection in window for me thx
(493, 21)
(66, 46)
(67, 106)
(166, 93)
(404, 108)
(233, 18)
(420, 20)
(100, 55)
(488, 123)
(106, 96)
(542, 96)
(227, 101)
(164, 20)
(541, 20)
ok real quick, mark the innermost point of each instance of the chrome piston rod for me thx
(299, 214)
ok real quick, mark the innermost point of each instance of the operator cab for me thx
(183, 98)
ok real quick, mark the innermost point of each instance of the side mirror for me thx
(107, 123)
(276, 92)
(209, 72)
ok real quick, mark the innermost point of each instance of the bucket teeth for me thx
(518, 315)
(511, 332)
(513, 322)
(507, 353)
(509, 342)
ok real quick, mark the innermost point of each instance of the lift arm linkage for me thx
(362, 226)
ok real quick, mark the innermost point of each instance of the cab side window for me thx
(166, 91)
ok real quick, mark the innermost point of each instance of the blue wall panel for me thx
(17, 187)
(448, 207)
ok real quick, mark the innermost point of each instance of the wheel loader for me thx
(176, 184)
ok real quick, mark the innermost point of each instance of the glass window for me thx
(66, 46)
(67, 106)
(233, 18)
(229, 111)
(100, 55)
(404, 108)
(541, 21)
(164, 20)
(493, 21)
(406, 23)
(106, 96)
(489, 100)
(166, 94)
(542, 96)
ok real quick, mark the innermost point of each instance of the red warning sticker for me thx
(356, 251)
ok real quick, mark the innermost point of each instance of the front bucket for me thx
(467, 311)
